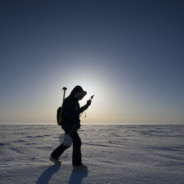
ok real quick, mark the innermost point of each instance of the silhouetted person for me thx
(71, 120)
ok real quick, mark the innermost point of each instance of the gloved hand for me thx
(88, 103)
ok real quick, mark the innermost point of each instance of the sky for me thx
(128, 53)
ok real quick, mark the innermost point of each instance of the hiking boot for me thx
(56, 161)
(80, 167)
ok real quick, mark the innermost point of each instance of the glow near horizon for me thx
(108, 106)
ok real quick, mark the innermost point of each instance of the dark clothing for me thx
(71, 118)
(71, 111)
(76, 156)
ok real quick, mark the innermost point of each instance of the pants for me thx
(76, 156)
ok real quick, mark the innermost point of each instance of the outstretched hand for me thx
(88, 102)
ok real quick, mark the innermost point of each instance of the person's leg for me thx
(76, 157)
(58, 151)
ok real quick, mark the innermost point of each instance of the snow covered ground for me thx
(115, 154)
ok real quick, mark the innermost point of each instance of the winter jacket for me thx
(71, 110)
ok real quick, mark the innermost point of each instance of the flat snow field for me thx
(117, 154)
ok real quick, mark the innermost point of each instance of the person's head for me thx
(78, 93)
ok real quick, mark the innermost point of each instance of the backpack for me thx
(59, 116)
(60, 110)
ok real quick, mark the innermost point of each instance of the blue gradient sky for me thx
(130, 54)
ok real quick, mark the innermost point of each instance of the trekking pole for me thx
(72, 129)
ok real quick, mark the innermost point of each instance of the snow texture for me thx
(114, 154)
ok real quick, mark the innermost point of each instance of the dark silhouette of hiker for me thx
(71, 121)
